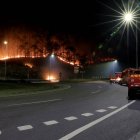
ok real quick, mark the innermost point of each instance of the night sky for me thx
(82, 19)
(59, 16)
(56, 16)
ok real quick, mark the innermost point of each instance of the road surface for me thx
(86, 111)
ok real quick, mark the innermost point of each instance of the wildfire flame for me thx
(71, 63)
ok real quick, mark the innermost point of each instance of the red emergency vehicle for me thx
(116, 78)
(133, 83)
(125, 76)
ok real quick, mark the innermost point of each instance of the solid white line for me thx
(25, 127)
(0, 132)
(38, 102)
(87, 126)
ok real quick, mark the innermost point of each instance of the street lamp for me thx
(127, 14)
(129, 18)
(5, 43)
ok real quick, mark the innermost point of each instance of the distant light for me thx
(5, 42)
(115, 61)
(52, 55)
(50, 77)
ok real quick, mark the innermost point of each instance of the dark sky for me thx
(59, 16)
(75, 17)
(70, 16)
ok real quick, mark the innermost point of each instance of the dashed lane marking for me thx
(70, 118)
(87, 114)
(91, 124)
(25, 127)
(50, 122)
(112, 107)
(101, 110)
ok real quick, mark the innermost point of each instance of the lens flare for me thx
(124, 15)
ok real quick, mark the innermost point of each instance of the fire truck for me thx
(125, 76)
(133, 83)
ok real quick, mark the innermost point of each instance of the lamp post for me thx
(136, 45)
(51, 56)
(130, 19)
(114, 62)
(5, 43)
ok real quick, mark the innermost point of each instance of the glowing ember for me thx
(71, 63)
(29, 65)
(19, 56)
(4, 58)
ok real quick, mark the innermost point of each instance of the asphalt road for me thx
(86, 111)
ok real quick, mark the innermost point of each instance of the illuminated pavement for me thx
(86, 111)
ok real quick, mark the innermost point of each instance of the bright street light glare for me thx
(128, 17)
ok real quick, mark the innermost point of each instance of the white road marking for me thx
(112, 107)
(0, 132)
(25, 127)
(70, 118)
(101, 110)
(91, 124)
(87, 114)
(38, 102)
(50, 122)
